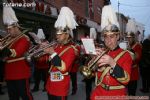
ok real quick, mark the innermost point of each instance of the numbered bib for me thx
(56, 76)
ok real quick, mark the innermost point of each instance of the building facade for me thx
(34, 14)
(122, 23)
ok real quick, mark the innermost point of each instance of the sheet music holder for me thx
(89, 46)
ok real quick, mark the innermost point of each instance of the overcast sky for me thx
(138, 9)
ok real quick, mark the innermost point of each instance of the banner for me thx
(90, 9)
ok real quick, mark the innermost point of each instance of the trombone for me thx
(7, 40)
(4, 38)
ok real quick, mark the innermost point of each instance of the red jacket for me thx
(119, 76)
(41, 63)
(18, 69)
(137, 48)
(63, 65)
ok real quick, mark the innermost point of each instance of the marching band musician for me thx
(114, 67)
(136, 48)
(17, 70)
(41, 67)
(62, 57)
(74, 69)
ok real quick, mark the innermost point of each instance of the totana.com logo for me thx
(19, 4)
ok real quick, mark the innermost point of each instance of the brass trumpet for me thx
(87, 70)
(7, 40)
(36, 51)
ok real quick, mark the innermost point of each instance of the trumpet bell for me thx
(86, 72)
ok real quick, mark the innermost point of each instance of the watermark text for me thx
(122, 97)
(19, 4)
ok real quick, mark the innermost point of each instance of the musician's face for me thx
(130, 40)
(111, 40)
(12, 31)
(62, 38)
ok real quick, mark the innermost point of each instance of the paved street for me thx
(40, 95)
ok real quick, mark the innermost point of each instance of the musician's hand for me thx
(1, 48)
(106, 59)
(43, 44)
(49, 50)
(99, 51)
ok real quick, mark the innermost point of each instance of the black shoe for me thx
(34, 90)
(44, 90)
(144, 90)
(2, 93)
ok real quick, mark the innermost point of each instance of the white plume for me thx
(35, 37)
(65, 19)
(131, 26)
(93, 33)
(40, 34)
(108, 17)
(9, 16)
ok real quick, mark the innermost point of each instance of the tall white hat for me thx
(9, 17)
(131, 28)
(108, 17)
(35, 37)
(93, 33)
(40, 34)
(66, 21)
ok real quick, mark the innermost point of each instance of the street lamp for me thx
(118, 9)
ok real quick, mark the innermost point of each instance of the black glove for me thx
(131, 50)
(5, 52)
